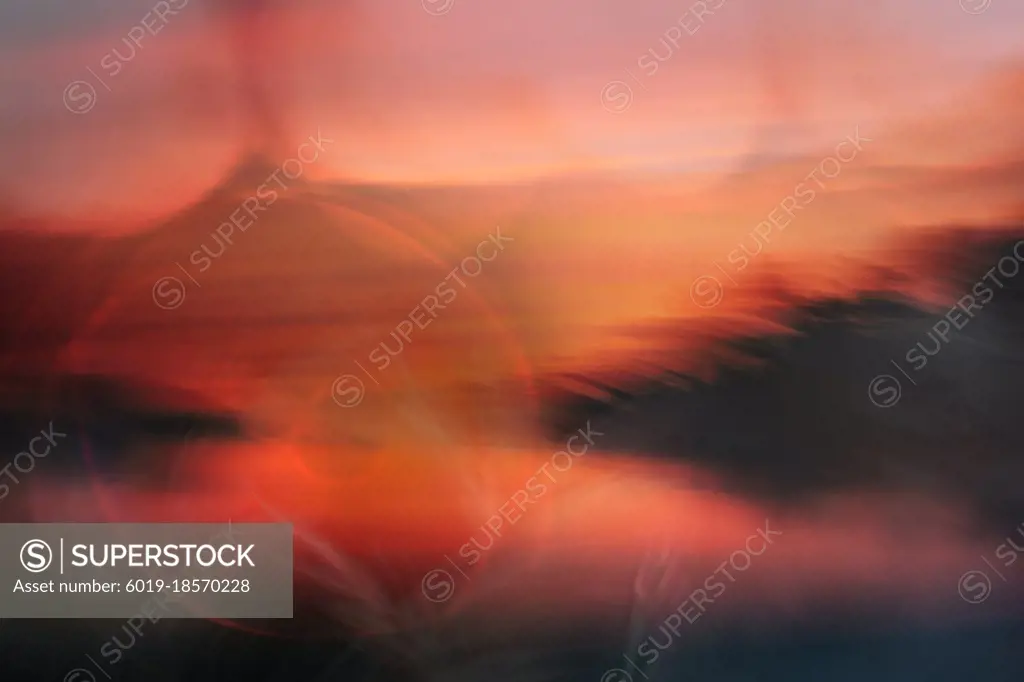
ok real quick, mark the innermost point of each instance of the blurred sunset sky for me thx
(447, 123)
(488, 112)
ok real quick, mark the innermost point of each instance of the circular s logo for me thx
(975, 6)
(437, 7)
(168, 293)
(616, 96)
(348, 390)
(884, 391)
(79, 97)
(36, 556)
(974, 587)
(438, 586)
(706, 291)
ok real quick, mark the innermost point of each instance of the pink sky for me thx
(483, 94)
